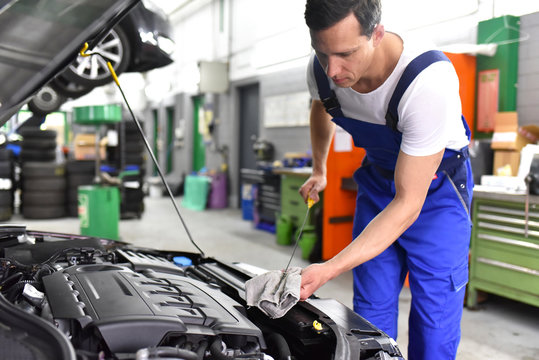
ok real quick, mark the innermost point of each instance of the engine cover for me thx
(132, 311)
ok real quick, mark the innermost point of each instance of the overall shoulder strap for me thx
(412, 70)
(327, 95)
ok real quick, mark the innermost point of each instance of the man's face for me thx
(344, 54)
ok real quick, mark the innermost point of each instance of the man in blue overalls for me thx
(401, 103)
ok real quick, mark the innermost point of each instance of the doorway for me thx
(249, 108)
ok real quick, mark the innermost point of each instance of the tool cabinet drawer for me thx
(505, 249)
(290, 186)
(502, 260)
(292, 204)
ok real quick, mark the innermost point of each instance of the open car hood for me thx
(39, 38)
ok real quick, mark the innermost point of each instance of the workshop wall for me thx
(264, 44)
(267, 43)
(528, 71)
(286, 137)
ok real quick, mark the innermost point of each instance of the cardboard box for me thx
(84, 147)
(509, 136)
(506, 162)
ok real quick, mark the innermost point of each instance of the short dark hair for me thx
(322, 14)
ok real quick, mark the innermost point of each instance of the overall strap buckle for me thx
(327, 95)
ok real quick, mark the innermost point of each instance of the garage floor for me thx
(501, 329)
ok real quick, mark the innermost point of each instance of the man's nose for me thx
(333, 66)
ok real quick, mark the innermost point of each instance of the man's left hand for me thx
(312, 278)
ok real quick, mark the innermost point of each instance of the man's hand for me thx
(311, 187)
(312, 278)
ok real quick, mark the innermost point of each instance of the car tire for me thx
(6, 154)
(46, 101)
(134, 147)
(37, 155)
(39, 144)
(6, 169)
(37, 133)
(43, 212)
(69, 88)
(47, 184)
(80, 70)
(6, 198)
(72, 209)
(6, 212)
(42, 169)
(38, 198)
(80, 167)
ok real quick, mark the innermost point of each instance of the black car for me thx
(140, 42)
(67, 297)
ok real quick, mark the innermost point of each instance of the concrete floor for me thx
(501, 329)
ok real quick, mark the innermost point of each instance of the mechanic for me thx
(415, 183)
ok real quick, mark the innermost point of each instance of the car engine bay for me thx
(106, 300)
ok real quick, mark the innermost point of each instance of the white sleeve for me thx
(311, 81)
(430, 110)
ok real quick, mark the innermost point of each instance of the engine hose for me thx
(167, 352)
(216, 350)
(10, 280)
(202, 346)
(278, 342)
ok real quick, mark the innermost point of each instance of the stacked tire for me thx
(133, 147)
(132, 196)
(7, 184)
(43, 190)
(38, 145)
(78, 173)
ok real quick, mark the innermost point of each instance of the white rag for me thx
(271, 295)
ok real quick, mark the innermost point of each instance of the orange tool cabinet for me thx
(340, 194)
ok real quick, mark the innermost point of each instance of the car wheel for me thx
(45, 101)
(69, 88)
(93, 70)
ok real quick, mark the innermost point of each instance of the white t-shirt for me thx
(429, 110)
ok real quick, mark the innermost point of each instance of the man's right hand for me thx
(311, 187)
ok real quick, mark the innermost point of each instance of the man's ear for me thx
(378, 34)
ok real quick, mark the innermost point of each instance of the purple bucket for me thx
(218, 195)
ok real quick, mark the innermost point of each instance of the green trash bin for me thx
(97, 114)
(195, 194)
(284, 230)
(307, 241)
(99, 211)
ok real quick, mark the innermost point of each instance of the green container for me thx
(97, 114)
(307, 242)
(99, 211)
(284, 230)
(196, 191)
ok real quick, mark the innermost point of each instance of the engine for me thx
(89, 298)
(143, 308)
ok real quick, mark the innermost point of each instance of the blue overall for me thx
(434, 250)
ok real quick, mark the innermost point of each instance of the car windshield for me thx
(38, 39)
